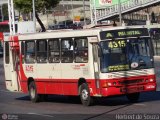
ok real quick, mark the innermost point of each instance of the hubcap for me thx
(84, 94)
(32, 92)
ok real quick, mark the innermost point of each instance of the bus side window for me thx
(67, 51)
(22, 51)
(81, 50)
(7, 52)
(53, 51)
(30, 52)
(41, 49)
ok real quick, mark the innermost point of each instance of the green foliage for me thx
(25, 6)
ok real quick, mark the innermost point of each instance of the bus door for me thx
(96, 64)
(11, 67)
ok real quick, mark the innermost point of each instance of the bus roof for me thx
(70, 33)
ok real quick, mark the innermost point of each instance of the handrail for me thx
(107, 12)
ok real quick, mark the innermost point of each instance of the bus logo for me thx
(29, 68)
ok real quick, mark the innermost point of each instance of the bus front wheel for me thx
(85, 97)
(133, 97)
(33, 92)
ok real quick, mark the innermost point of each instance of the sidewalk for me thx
(157, 70)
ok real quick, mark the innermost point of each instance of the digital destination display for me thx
(136, 32)
(117, 44)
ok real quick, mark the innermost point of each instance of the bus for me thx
(89, 63)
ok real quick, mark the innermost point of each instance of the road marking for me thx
(40, 114)
(139, 104)
(5, 91)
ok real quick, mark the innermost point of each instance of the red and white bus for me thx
(89, 63)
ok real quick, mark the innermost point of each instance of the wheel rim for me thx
(32, 92)
(85, 94)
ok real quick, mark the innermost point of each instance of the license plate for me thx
(132, 90)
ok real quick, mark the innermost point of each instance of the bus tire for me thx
(33, 92)
(133, 97)
(85, 97)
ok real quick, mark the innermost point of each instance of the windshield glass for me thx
(125, 54)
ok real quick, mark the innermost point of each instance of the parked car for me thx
(75, 26)
(57, 26)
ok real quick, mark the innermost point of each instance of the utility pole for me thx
(34, 15)
(91, 11)
(72, 11)
(120, 12)
(84, 13)
(95, 13)
(11, 17)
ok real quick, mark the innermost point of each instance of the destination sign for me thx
(136, 32)
(118, 67)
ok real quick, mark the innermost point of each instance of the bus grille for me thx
(130, 82)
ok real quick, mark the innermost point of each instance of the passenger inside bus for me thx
(67, 51)
(81, 51)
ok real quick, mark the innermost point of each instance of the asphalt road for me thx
(17, 106)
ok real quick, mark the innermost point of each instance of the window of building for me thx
(81, 50)
(67, 50)
(53, 51)
(41, 48)
(30, 52)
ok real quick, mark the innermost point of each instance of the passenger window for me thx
(30, 52)
(41, 51)
(22, 51)
(54, 51)
(67, 51)
(81, 50)
(7, 52)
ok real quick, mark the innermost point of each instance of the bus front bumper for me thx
(120, 90)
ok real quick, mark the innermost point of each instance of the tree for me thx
(25, 6)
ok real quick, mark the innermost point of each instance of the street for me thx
(18, 106)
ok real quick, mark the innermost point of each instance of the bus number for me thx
(116, 44)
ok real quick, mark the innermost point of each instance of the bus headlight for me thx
(107, 84)
(151, 80)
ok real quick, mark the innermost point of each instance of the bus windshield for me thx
(125, 54)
